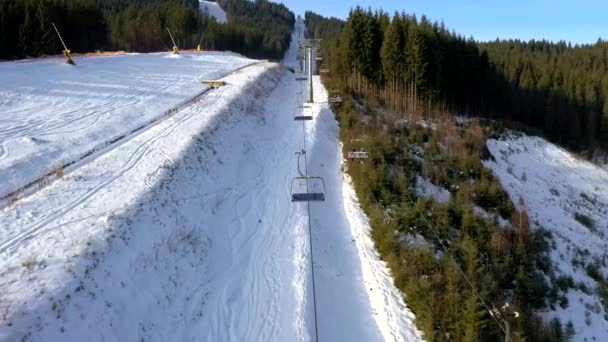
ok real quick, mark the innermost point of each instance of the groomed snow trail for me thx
(53, 114)
(187, 233)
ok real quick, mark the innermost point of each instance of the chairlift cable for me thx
(312, 262)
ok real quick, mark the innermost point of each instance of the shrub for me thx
(584, 220)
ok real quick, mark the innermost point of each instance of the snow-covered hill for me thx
(53, 114)
(568, 197)
(213, 9)
(186, 232)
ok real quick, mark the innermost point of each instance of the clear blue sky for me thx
(578, 21)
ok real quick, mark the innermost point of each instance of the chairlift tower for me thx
(309, 60)
(311, 45)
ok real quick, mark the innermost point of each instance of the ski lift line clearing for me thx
(335, 97)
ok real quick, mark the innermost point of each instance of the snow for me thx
(425, 188)
(214, 10)
(185, 231)
(354, 282)
(54, 114)
(555, 186)
(481, 212)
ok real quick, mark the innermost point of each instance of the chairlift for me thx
(303, 113)
(335, 97)
(357, 155)
(306, 188)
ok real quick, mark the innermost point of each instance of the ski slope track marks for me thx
(186, 232)
(58, 116)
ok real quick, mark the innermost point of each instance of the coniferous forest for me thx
(459, 261)
(140, 25)
(559, 89)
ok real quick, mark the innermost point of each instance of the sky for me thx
(577, 21)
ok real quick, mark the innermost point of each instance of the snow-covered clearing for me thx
(213, 9)
(53, 114)
(186, 232)
(560, 193)
(426, 189)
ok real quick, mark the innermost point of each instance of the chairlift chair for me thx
(307, 189)
(303, 113)
(335, 97)
(357, 155)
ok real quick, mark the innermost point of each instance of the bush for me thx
(584, 220)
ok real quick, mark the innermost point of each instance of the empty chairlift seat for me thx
(335, 97)
(307, 189)
(303, 113)
(357, 155)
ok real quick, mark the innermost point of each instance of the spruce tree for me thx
(26, 33)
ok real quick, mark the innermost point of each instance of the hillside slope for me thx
(187, 232)
(569, 198)
(54, 114)
(214, 10)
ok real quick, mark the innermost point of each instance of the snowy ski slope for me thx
(214, 10)
(186, 231)
(555, 186)
(53, 114)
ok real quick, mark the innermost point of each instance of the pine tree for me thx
(603, 134)
(418, 61)
(391, 52)
(453, 299)
(372, 42)
(46, 40)
(26, 32)
(473, 312)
